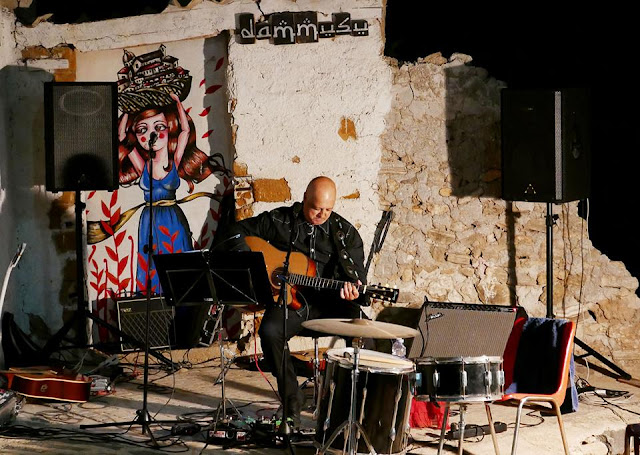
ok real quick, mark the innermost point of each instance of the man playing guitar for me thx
(336, 248)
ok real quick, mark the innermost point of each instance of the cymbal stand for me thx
(351, 426)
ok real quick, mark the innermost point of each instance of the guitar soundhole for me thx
(275, 281)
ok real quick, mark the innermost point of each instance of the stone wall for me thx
(454, 240)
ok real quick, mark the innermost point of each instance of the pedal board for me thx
(472, 431)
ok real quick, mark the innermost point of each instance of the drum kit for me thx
(379, 388)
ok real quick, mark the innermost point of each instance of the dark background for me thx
(592, 49)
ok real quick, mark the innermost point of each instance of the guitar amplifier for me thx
(132, 319)
(453, 329)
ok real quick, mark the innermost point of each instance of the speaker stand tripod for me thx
(550, 222)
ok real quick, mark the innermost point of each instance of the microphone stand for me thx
(143, 414)
(285, 429)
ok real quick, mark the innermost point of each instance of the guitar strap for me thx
(336, 230)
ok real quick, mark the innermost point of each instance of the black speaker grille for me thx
(80, 136)
(132, 321)
(463, 330)
(545, 145)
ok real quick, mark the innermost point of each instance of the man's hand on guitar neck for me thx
(350, 290)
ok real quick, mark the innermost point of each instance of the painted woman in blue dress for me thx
(172, 134)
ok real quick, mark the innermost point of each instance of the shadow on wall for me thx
(24, 213)
(473, 145)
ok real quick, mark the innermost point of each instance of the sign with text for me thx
(298, 27)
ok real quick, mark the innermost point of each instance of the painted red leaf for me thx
(205, 228)
(115, 217)
(219, 64)
(95, 264)
(105, 210)
(196, 246)
(91, 194)
(215, 215)
(93, 251)
(142, 263)
(207, 134)
(112, 278)
(122, 265)
(202, 82)
(112, 254)
(124, 283)
(212, 89)
(205, 111)
(106, 227)
(205, 241)
(94, 286)
(95, 275)
(168, 247)
(102, 287)
(100, 275)
(187, 110)
(164, 230)
(119, 238)
(174, 236)
(114, 198)
(111, 293)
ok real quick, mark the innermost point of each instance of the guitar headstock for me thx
(375, 291)
(18, 255)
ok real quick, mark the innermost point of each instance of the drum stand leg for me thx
(463, 408)
(443, 430)
(492, 429)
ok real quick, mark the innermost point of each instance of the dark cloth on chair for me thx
(538, 359)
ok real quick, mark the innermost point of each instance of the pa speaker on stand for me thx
(546, 146)
(546, 157)
(81, 136)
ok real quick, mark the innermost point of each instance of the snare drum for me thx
(383, 399)
(459, 378)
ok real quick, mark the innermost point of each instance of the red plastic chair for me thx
(556, 398)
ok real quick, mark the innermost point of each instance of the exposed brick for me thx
(271, 190)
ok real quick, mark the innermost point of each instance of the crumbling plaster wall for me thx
(455, 240)
(321, 104)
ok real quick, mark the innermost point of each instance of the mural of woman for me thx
(175, 156)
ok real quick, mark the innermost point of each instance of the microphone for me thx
(434, 316)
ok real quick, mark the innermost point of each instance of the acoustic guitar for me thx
(302, 272)
(39, 382)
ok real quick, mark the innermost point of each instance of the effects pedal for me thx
(472, 431)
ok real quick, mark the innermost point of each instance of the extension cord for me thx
(471, 431)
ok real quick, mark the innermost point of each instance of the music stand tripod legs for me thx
(224, 367)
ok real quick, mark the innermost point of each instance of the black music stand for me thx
(237, 278)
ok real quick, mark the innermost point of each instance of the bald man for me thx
(314, 229)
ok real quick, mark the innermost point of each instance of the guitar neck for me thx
(323, 283)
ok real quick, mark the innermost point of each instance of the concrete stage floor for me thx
(53, 427)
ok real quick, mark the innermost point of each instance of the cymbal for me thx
(360, 328)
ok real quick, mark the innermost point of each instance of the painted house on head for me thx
(147, 70)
